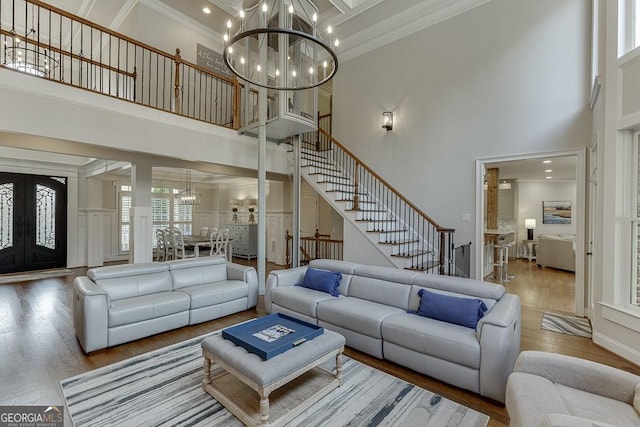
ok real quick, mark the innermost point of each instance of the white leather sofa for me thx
(557, 251)
(548, 389)
(116, 304)
(372, 314)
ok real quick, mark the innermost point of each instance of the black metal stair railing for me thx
(318, 246)
(411, 234)
(48, 42)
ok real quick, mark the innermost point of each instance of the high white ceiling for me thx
(361, 25)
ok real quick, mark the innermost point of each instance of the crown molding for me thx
(403, 24)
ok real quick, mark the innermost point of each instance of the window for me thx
(125, 218)
(166, 211)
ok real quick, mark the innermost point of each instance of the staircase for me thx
(402, 232)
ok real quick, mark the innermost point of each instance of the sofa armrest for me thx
(289, 277)
(502, 314)
(248, 275)
(499, 335)
(580, 374)
(90, 314)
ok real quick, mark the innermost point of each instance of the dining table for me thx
(204, 242)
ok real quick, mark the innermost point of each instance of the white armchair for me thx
(548, 389)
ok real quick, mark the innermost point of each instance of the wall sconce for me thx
(387, 120)
(530, 224)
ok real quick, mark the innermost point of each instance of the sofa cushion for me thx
(381, 291)
(461, 285)
(443, 340)
(146, 307)
(358, 315)
(132, 280)
(595, 407)
(210, 294)
(460, 311)
(197, 271)
(530, 398)
(344, 267)
(298, 299)
(321, 280)
(636, 399)
(414, 297)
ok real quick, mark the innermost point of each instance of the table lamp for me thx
(530, 224)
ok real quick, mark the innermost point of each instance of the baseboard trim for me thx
(616, 347)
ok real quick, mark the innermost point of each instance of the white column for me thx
(141, 221)
(295, 249)
(262, 166)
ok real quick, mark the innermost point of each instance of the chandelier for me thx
(28, 56)
(189, 196)
(278, 45)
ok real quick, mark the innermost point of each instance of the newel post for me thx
(356, 198)
(441, 252)
(176, 90)
(286, 245)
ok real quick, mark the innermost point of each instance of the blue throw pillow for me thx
(461, 311)
(324, 281)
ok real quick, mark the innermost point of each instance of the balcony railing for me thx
(51, 43)
(316, 247)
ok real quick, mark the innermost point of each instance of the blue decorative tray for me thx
(271, 335)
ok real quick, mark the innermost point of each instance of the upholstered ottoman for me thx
(294, 377)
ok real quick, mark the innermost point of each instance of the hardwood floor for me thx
(38, 347)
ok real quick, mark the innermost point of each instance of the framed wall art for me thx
(556, 212)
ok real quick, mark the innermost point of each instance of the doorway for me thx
(33, 222)
(578, 216)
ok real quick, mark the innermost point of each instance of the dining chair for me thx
(180, 252)
(161, 246)
(212, 241)
(169, 246)
(222, 243)
(204, 232)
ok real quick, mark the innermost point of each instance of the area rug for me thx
(570, 325)
(34, 275)
(164, 388)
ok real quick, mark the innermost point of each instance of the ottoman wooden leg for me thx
(339, 368)
(207, 371)
(264, 410)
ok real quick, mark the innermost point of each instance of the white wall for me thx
(504, 78)
(531, 194)
(150, 22)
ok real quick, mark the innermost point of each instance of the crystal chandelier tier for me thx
(278, 45)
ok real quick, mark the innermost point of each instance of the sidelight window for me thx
(6, 215)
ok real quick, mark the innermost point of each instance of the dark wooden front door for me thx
(33, 222)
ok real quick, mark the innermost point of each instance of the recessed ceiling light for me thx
(546, 161)
(549, 177)
(548, 171)
(206, 10)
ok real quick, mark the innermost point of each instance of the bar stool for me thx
(503, 262)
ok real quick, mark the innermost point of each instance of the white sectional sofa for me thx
(555, 390)
(116, 304)
(374, 311)
(557, 251)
